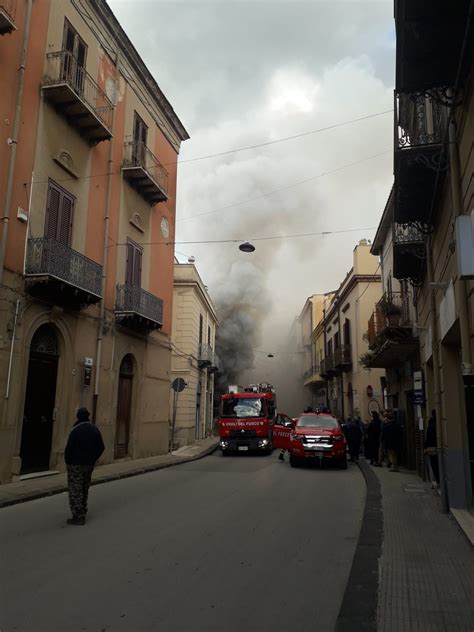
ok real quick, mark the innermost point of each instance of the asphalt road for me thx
(227, 544)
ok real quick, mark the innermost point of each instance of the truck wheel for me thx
(342, 463)
(294, 462)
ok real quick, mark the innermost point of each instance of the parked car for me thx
(317, 436)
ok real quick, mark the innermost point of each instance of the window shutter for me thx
(137, 268)
(129, 264)
(53, 206)
(65, 220)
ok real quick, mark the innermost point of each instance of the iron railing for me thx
(419, 120)
(9, 6)
(63, 68)
(392, 310)
(408, 234)
(343, 356)
(216, 362)
(132, 299)
(48, 257)
(137, 154)
(205, 353)
(314, 370)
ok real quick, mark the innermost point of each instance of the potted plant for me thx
(391, 311)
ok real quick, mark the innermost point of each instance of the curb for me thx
(109, 478)
(358, 611)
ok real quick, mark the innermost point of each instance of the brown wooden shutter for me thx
(137, 268)
(133, 266)
(53, 206)
(65, 220)
(129, 264)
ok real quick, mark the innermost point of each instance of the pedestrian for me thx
(431, 446)
(309, 409)
(373, 438)
(353, 433)
(84, 447)
(391, 438)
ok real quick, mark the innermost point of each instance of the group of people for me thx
(379, 440)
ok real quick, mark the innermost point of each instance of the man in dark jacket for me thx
(84, 447)
(353, 434)
(391, 439)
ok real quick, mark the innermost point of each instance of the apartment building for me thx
(353, 389)
(88, 155)
(433, 209)
(193, 356)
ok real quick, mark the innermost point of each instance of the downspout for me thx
(10, 361)
(14, 140)
(436, 377)
(101, 323)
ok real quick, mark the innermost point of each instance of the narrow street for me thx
(243, 543)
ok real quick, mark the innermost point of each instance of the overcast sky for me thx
(243, 73)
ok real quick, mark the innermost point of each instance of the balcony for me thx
(420, 157)
(7, 17)
(409, 252)
(327, 367)
(343, 358)
(145, 173)
(77, 97)
(205, 355)
(390, 332)
(312, 375)
(215, 363)
(57, 273)
(429, 41)
(137, 309)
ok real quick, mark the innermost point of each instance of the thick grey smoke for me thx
(242, 302)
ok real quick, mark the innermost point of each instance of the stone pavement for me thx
(426, 570)
(29, 489)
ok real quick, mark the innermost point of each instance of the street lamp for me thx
(247, 247)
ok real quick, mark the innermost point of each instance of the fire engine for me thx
(246, 419)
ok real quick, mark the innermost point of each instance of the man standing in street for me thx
(84, 447)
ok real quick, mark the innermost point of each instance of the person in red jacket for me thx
(84, 447)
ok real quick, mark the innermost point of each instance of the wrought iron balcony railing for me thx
(78, 96)
(408, 235)
(215, 363)
(139, 308)
(49, 258)
(205, 354)
(392, 311)
(7, 16)
(313, 371)
(143, 169)
(419, 120)
(343, 356)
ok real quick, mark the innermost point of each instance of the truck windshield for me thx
(242, 407)
(316, 421)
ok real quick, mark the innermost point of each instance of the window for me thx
(140, 134)
(201, 325)
(133, 266)
(243, 408)
(74, 62)
(209, 336)
(330, 348)
(317, 421)
(336, 340)
(347, 332)
(59, 213)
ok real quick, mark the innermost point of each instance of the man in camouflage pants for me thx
(84, 447)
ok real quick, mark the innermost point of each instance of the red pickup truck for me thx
(317, 436)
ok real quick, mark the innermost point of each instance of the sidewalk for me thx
(21, 491)
(426, 570)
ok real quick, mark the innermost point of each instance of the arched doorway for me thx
(124, 407)
(37, 430)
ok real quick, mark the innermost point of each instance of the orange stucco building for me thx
(88, 167)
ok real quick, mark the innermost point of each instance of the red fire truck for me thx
(246, 419)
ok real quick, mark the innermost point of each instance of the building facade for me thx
(352, 389)
(88, 156)
(433, 209)
(393, 338)
(193, 356)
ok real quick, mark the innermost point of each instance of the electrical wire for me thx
(238, 241)
(230, 151)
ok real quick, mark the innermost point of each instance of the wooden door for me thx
(38, 416)
(140, 136)
(59, 214)
(124, 408)
(133, 271)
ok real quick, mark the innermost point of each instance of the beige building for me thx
(351, 388)
(88, 164)
(193, 356)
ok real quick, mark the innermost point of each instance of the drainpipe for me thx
(14, 140)
(10, 362)
(101, 323)
(436, 378)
